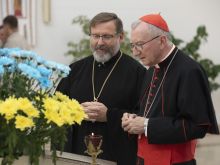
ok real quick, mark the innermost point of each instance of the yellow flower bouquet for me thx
(31, 113)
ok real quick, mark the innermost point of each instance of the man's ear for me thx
(163, 41)
(121, 37)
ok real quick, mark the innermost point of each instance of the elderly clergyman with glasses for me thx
(107, 84)
(176, 106)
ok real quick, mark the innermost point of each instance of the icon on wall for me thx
(18, 4)
(25, 11)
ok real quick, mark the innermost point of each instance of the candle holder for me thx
(93, 145)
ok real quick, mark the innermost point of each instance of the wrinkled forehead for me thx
(140, 32)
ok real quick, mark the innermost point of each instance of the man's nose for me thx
(100, 40)
(135, 52)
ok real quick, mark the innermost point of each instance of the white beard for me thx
(107, 56)
(104, 58)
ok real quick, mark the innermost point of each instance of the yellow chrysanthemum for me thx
(11, 106)
(22, 122)
(63, 112)
(27, 107)
(61, 97)
(77, 111)
(50, 103)
(51, 112)
(80, 116)
(8, 108)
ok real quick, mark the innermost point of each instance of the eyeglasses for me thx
(139, 45)
(104, 37)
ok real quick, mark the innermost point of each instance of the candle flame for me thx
(92, 134)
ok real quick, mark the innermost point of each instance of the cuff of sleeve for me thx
(145, 126)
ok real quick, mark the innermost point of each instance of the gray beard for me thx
(104, 58)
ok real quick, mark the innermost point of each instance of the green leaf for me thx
(81, 49)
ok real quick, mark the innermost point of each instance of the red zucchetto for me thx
(156, 20)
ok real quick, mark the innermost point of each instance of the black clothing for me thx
(120, 94)
(182, 109)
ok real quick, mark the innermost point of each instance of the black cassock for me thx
(179, 108)
(120, 94)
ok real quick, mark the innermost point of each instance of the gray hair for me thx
(153, 30)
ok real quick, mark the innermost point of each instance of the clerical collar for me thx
(110, 61)
(168, 54)
(168, 57)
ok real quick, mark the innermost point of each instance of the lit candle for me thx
(95, 139)
(93, 143)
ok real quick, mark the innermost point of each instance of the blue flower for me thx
(27, 83)
(40, 72)
(4, 52)
(45, 83)
(62, 70)
(2, 70)
(6, 61)
(29, 71)
(39, 60)
(44, 71)
(51, 65)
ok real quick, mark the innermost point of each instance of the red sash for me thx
(165, 154)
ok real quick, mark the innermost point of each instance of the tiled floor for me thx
(208, 151)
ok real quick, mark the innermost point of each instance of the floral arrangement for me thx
(31, 114)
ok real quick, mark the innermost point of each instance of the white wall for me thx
(182, 16)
